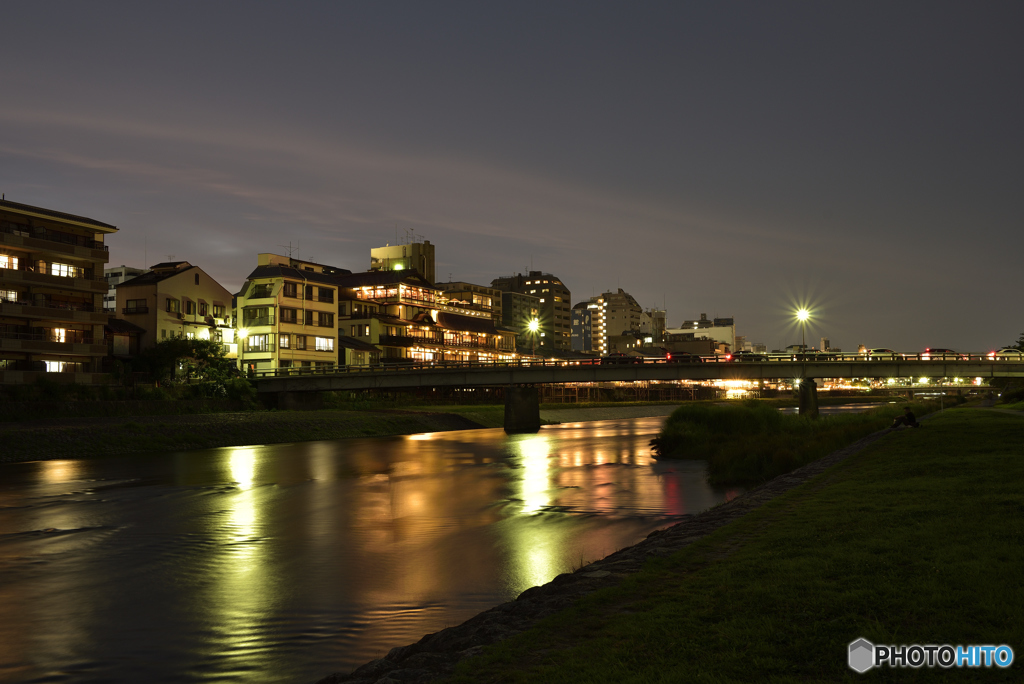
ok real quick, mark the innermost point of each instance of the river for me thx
(292, 561)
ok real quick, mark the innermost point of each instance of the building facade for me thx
(286, 315)
(413, 256)
(114, 277)
(721, 330)
(176, 299)
(517, 310)
(613, 314)
(582, 333)
(411, 320)
(51, 294)
(554, 315)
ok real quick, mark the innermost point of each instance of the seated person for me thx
(907, 419)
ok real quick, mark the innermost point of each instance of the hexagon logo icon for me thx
(862, 655)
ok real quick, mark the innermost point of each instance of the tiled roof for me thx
(54, 214)
(466, 323)
(119, 325)
(151, 277)
(358, 345)
(384, 278)
(279, 271)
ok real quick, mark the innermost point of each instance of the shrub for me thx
(754, 442)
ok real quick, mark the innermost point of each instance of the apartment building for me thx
(582, 320)
(176, 299)
(612, 314)
(517, 310)
(114, 277)
(553, 316)
(286, 314)
(51, 294)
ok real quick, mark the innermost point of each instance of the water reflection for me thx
(289, 562)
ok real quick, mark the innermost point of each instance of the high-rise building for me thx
(582, 336)
(412, 256)
(613, 314)
(51, 294)
(554, 319)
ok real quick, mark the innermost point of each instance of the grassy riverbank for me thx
(120, 435)
(91, 438)
(918, 539)
(753, 442)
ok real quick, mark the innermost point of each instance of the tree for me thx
(187, 359)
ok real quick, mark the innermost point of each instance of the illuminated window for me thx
(8, 295)
(284, 341)
(8, 261)
(62, 270)
(325, 344)
(173, 305)
(58, 335)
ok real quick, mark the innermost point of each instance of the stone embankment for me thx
(436, 655)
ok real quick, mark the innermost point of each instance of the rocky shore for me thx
(436, 655)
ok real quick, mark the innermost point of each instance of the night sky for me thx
(735, 159)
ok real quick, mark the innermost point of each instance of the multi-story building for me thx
(517, 310)
(554, 318)
(51, 294)
(410, 319)
(413, 256)
(719, 329)
(470, 296)
(613, 314)
(582, 319)
(115, 276)
(176, 299)
(286, 314)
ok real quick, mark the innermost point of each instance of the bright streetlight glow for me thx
(534, 325)
(802, 315)
(243, 333)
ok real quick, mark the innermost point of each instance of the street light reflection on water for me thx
(289, 562)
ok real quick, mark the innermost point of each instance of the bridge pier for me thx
(522, 409)
(808, 398)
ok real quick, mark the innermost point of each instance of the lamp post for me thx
(802, 315)
(534, 327)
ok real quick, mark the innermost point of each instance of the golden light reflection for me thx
(243, 467)
(60, 471)
(536, 481)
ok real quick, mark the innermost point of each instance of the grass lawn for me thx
(917, 539)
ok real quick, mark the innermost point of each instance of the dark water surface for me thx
(285, 563)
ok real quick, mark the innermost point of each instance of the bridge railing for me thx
(808, 357)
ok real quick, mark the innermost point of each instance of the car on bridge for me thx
(744, 355)
(943, 355)
(1006, 354)
(682, 357)
(618, 358)
(882, 354)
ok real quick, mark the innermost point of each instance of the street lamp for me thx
(802, 315)
(534, 327)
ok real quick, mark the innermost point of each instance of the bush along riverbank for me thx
(753, 442)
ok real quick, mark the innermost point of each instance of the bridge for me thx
(522, 413)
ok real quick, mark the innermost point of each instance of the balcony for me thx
(85, 281)
(257, 321)
(134, 310)
(79, 312)
(328, 299)
(53, 241)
